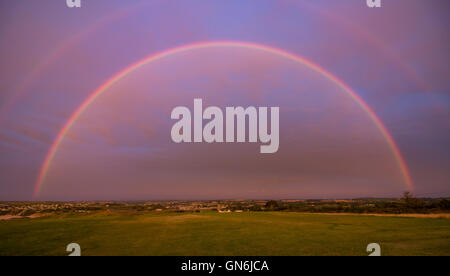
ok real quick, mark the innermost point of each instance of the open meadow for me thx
(212, 233)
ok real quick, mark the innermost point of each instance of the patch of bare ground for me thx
(8, 217)
(441, 215)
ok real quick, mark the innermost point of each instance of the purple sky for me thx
(52, 58)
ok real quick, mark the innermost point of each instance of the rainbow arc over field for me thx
(257, 47)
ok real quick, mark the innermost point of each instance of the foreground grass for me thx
(210, 233)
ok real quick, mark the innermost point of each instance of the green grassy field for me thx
(211, 233)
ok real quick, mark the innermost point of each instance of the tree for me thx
(410, 201)
(444, 204)
(271, 204)
(406, 196)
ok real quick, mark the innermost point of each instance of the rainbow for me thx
(114, 79)
(58, 51)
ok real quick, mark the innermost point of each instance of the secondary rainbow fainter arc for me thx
(101, 89)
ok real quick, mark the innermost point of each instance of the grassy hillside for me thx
(211, 233)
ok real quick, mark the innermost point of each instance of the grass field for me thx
(211, 233)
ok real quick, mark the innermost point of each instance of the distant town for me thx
(405, 204)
